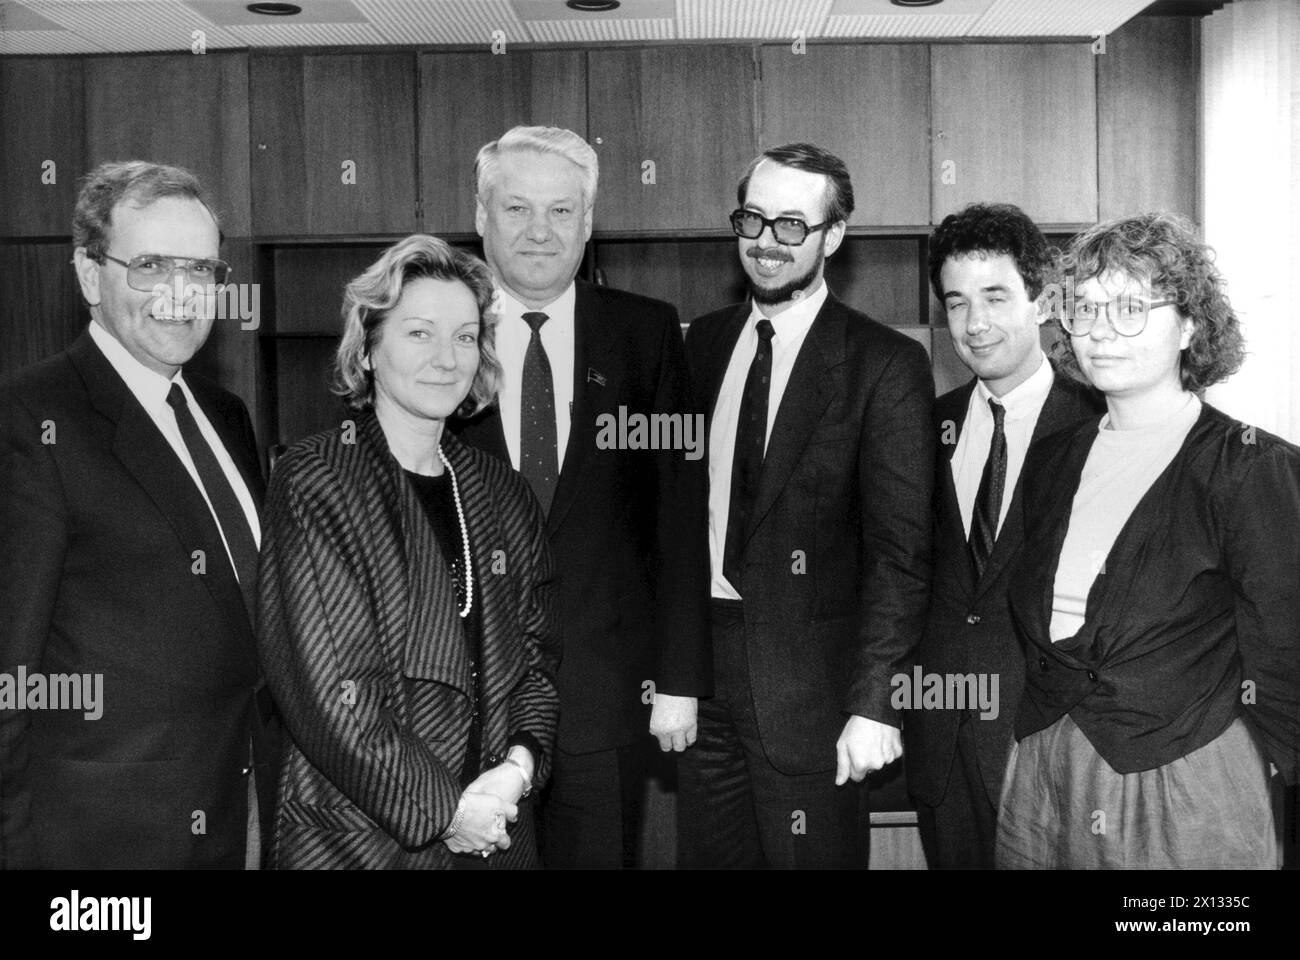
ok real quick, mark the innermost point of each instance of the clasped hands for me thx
(486, 806)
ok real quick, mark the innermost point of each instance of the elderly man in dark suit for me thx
(988, 267)
(820, 478)
(625, 516)
(129, 513)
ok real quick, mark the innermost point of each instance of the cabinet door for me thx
(181, 109)
(333, 144)
(867, 104)
(43, 152)
(1017, 123)
(1147, 83)
(674, 128)
(469, 99)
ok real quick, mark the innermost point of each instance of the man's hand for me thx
(672, 721)
(865, 746)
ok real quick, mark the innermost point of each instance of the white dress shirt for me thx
(150, 388)
(790, 328)
(1022, 405)
(558, 336)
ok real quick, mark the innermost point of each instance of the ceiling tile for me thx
(905, 25)
(732, 19)
(444, 21)
(568, 31)
(1029, 18)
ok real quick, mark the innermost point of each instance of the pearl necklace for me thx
(464, 536)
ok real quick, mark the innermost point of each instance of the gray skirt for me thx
(1064, 807)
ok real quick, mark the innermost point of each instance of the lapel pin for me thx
(594, 376)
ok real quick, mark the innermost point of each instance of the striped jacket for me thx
(363, 649)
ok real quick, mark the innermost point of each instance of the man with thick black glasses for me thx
(129, 497)
(820, 475)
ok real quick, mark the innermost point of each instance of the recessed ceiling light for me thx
(915, 3)
(275, 9)
(592, 6)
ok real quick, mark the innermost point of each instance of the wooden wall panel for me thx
(41, 119)
(1015, 122)
(182, 109)
(689, 111)
(469, 99)
(1147, 116)
(870, 106)
(313, 114)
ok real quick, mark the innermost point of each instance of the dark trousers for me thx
(594, 807)
(960, 832)
(734, 809)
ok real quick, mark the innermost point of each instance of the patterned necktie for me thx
(988, 502)
(231, 519)
(747, 458)
(538, 459)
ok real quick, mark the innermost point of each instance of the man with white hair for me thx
(626, 523)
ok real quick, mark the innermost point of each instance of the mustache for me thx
(768, 253)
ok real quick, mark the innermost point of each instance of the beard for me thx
(786, 291)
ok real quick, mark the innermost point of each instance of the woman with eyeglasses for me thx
(1158, 589)
(408, 625)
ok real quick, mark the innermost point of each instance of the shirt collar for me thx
(795, 320)
(1028, 396)
(149, 386)
(559, 311)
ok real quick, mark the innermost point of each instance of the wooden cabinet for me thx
(674, 128)
(1015, 122)
(333, 147)
(42, 144)
(182, 109)
(469, 99)
(1147, 117)
(867, 104)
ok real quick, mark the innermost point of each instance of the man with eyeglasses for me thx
(820, 475)
(129, 495)
(989, 267)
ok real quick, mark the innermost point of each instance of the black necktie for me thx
(538, 460)
(747, 458)
(230, 515)
(988, 501)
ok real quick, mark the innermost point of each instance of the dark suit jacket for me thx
(968, 629)
(99, 529)
(629, 528)
(363, 648)
(1200, 592)
(835, 572)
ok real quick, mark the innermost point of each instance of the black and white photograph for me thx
(659, 443)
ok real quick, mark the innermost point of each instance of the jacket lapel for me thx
(149, 458)
(598, 363)
(807, 395)
(950, 419)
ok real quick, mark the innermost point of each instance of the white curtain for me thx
(1250, 191)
